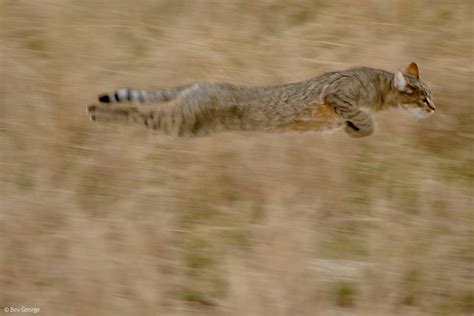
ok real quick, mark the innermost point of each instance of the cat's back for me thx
(365, 73)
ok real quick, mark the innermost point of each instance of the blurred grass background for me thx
(107, 220)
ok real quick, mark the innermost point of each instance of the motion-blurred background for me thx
(110, 220)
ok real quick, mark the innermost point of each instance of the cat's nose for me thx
(431, 104)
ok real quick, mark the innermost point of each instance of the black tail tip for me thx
(104, 98)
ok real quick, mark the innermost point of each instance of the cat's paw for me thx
(90, 111)
(355, 131)
(95, 110)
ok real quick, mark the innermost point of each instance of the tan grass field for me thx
(110, 220)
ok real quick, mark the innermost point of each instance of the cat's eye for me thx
(425, 100)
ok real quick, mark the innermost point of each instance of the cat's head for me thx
(413, 95)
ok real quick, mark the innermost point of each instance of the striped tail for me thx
(129, 95)
(142, 96)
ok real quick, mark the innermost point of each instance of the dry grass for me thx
(103, 220)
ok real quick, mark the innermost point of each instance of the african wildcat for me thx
(340, 98)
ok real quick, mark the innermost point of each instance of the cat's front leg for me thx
(358, 123)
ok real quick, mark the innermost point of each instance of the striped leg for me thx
(122, 114)
(166, 118)
(358, 123)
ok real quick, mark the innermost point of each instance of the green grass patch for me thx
(196, 296)
(343, 245)
(343, 293)
(24, 176)
(237, 238)
(410, 284)
(200, 254)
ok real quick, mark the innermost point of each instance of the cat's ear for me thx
(401, 83)
(413, 70)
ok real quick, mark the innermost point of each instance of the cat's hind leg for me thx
(115, 114)
(155, 117)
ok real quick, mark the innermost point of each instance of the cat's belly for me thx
(322, 118)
